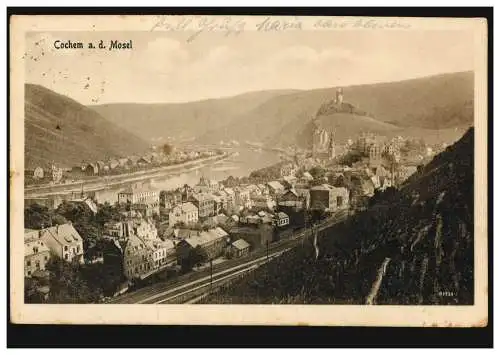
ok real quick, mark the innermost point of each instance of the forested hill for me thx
(412, 246)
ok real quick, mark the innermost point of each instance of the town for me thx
(150, 235)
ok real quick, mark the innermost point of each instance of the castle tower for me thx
(339, 98)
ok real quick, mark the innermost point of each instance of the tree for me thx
(106, 213)
(317, 172)
(31, 290)
(37, 216)
(192, 257)
(167, 149)
(67, 284)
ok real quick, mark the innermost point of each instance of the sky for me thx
(167, 67)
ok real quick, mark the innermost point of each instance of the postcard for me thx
(256, 170)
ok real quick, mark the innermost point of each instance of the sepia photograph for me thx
(220, 161)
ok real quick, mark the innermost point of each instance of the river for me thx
(242, 164)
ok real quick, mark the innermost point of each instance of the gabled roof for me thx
(240, 244)
(291, 191)
(322, 187)
(186, 207)
(275, 185)
(145, 159)
(134, 159)
(34, 247)
(205, 237)
(282, 215)
(64, 234)
(114, 162)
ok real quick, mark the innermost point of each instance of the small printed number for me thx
(447, 293)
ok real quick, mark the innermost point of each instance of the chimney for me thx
(57, 228)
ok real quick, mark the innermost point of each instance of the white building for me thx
(184, 213)
(139, 196)
(64, 241)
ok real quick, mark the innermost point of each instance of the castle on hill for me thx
(323, 143)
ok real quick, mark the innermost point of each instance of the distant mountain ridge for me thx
(421, 107)
(59, 129)
(183, 121)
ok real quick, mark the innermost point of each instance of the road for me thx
(100, 183)
(191, 286)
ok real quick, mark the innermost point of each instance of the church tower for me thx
(339, 98)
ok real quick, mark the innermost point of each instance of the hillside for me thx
(412, 246)
(442, 103)
(417, 106)
(182, 121)
(62, 130)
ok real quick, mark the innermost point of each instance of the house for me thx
(250, 219)
(133, 160)
(87, 203)
(64, 241)
(291, 198)
(288, 169)
(205, 204)
(219, 220)
(138, 259)
(100, 165)
(117, 230)
(38, 173)
(36, 252)
(123, 162)
(219, 203)
(275, 188)
(253, 189)
(78, 171)
(230, 198)
(57, 173)
(50, 202)
(239, 248)
(256, 235)
(307, 177)
(138, 195)
(376, 182)
(281, 219)
(91, 169)
(328, 198)
(263, 202)
(144, 228)
(146, 209)
(264, 190)
(242, 198)
(289, 181)
(206, 185)
(185, 213)
(169, 199)
(144, 161)
(212, 242)
(404, 172)
(163, 252)
(113, 164)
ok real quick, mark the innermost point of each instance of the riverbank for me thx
(101, 183)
